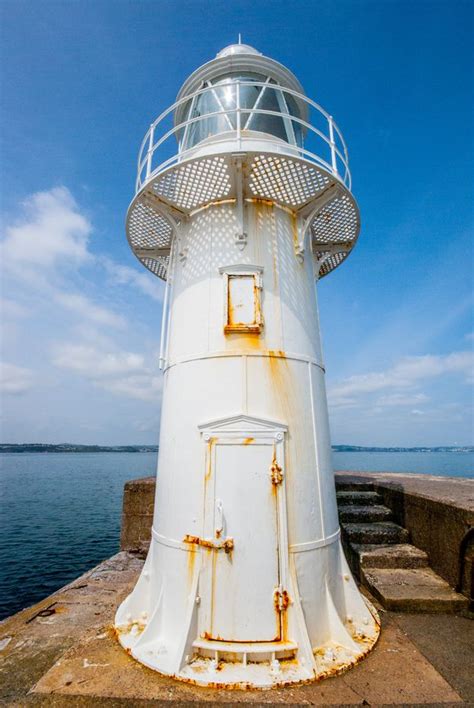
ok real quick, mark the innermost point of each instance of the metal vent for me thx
(148, 228)
(285, 181)
(158, 266)
(195, 184)
(331, 262)
(337, 222)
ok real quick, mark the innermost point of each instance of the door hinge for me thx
(276, 473)
(226, 544)
(281, 599)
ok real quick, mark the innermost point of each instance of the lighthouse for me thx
(243, 200)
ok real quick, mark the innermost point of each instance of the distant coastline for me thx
(68, 447)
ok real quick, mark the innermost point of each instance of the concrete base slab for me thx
(444, 638)
(72, 657)
(413, 589)
(396, 673)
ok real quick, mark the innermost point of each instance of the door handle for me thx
(219, 516)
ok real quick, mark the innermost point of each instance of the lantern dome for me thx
(237, 49)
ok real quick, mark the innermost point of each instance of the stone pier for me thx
(63, 652)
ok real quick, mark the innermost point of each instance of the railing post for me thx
(150, 150)
(239, 132)
(333, 145)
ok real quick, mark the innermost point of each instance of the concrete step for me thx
(354, 486)
(396, 555)
(383, 532)
(364, 498)
(364, 514)
(412, 590)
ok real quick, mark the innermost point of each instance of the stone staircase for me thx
(383, 559)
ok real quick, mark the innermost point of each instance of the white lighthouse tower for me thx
(243, 200)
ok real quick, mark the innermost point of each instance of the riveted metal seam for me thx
(311, 545)
(170, 542)
(238, 354)
(315, 440)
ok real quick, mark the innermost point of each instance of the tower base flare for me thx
(349, 629)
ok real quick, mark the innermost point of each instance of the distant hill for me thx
(441, 448)
(68, 447)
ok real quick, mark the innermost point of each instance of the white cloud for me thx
(14, 379)
(94, 363)
(122, 373)
(141, 386)
(51, 229)
(400, 399)
(406, 374)
(144, 281)
(50, 238)
(88, 310)
(12, 309)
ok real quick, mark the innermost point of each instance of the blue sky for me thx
(82, 81)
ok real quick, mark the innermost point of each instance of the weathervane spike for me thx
(240, 38)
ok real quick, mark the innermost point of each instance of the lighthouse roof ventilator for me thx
(243, 199)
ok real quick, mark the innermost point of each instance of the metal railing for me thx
(324, 149)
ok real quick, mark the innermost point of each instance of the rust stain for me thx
(281, 602)
(244, 339)
(333, 671)
(284, 626)
(260, 202)
(216, 203)
(213, 589)
(226, 545)
(276, 472)
(282, 383)
(191, 539)
(210, 445)
(257, 307)
(191, 563)
(127, 629)
(257, 201)
(294, 230)
(276, 354)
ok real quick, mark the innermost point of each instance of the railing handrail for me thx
(315, 159)
(149, 147)
(260, 111)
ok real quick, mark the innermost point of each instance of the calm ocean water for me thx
(60, 513)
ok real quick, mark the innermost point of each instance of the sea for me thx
(60, 512)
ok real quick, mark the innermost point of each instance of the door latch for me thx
(225, 544)
(281, 599)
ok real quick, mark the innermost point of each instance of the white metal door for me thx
(245, 510)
